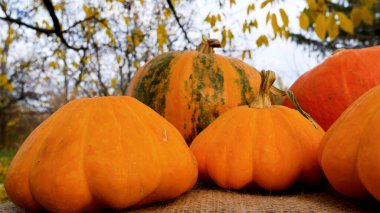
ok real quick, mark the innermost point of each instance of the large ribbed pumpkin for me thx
(327, 90)
(100, 153)
(190, 89)
(259, 145)
(350, 150)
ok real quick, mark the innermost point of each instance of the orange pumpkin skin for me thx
(349, 152)
(327, 90)
(272, 148)
(269, 146)
(100, 153)
(190, 89)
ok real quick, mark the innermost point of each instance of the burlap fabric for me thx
(211, 199)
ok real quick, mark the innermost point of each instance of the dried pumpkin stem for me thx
(263, 98)
(207, 46)
(267, 89)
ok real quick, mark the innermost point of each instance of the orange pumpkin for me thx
(190, 89)
(350, 150)
(100, 153)
(328, 89)
(264, 145)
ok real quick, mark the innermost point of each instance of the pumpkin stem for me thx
(207, 46)
(263, 98)
(267, 89)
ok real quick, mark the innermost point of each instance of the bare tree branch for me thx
(19, 22)
(57, 25)
(179, 22)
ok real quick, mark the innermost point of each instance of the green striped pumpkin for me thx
(191, 88)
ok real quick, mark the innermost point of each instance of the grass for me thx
(5, 159)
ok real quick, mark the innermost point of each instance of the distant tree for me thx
(327, 24)
(55, 52)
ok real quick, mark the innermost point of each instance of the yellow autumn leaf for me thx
(162, 37)
(118, 59)
(129, 39)
(332, 27)
(114, 82)
(47, 25)
(136, 64)
(3, 79)
(8, 87)
(304, 21)
(345, 23)
(167, 13)
(230, 36)
(126, 20)
(268, 17)
(243, 55)
(312, 5)
(87, 10)
(262, 40)
(213, 20)
(54, 65)
(245, 26)
(218, 17)
(356, 16)
(321, 6)
(57, 7)
(265, 3)
(321, 27)
(75, 64)
(142, 2)
(284, 17)
(250, 8)
(367, 16)
(275, 26)
(232, 2)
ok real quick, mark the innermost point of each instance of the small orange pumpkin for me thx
(264, 145)
(100, 153)
(192, 88)
(350, 150)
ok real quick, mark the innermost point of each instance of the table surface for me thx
(212, 199)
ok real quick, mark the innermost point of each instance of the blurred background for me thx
(54, 51)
